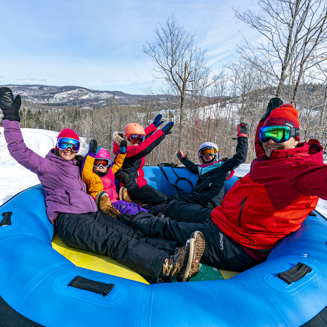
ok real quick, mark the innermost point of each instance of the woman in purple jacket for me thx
(74, 213)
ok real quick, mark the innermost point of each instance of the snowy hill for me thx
(72, 96)
(14, 178)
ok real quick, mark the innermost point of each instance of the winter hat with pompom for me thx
(285, 115)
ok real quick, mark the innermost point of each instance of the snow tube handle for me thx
(294, 274)
(6, 220)
(172, 165)
(91, 285)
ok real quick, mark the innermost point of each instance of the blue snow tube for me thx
(36, 282)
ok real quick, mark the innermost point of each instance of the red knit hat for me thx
(67, 133)
(286, 115)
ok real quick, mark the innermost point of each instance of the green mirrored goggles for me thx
(278, 134)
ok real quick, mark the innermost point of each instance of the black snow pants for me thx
(209, 199)
(182, 211)
(99, 233)
(220, 251)
(146, 195)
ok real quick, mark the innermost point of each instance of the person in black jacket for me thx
(213, 172)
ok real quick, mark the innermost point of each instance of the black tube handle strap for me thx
(6, 220)
(91, 285)
(172, 165)
(294, 274)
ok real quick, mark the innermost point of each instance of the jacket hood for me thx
(118, 137)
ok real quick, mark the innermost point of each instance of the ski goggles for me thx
(278, 134)
(208, 151)
(136, 137)
(101, 162)
(66, 142)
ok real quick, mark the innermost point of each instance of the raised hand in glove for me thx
(180, 155)
(9, 105)
(93, 147)
(157, 121)
(166, 129)
(273, 104)
(123, 146)
(242, 130)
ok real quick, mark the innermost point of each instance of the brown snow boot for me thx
(185, 262)
(123, 195)
(104, 204)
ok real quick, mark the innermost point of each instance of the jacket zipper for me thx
(239, 218)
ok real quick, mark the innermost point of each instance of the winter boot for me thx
(104, 204)
(185, 262)
(123, 195)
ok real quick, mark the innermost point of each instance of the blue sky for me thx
(98, 44)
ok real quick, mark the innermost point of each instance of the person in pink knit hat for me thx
(74, 213)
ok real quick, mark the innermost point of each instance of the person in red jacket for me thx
(140, 142)
(283, 186)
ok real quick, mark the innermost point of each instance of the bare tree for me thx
(180, 62)
(294, 32)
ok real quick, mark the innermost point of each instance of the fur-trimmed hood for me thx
(118, 137)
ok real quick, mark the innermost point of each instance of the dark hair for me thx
(79, 158)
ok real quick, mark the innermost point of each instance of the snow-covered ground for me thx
(14, 178)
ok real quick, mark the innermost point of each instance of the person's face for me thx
(67, 154)
(271, 145)
(136, 138)
(208, 158)
(101, 169)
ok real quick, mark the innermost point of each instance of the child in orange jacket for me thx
(98, 173)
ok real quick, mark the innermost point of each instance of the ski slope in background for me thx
(15, 178)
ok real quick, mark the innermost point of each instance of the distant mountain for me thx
(72, 96)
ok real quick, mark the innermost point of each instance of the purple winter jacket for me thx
(63, 186)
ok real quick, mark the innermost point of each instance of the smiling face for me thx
(67, 154)
(100, 169)
(271, 145)
(208, 158)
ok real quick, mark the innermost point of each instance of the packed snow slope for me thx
(14, 178)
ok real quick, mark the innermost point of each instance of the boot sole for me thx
(197, 246)
(121, 193)
(190, 260)
(98, 198)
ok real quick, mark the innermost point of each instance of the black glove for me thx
(166, 129)
(242, 130)
(93, 146)
(273, 104)
(123, 146)
(9, 105)
(157, 121)
(180, 155)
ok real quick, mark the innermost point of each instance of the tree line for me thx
(288, 61)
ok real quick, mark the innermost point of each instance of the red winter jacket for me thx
(132, 172)
(275, 197)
